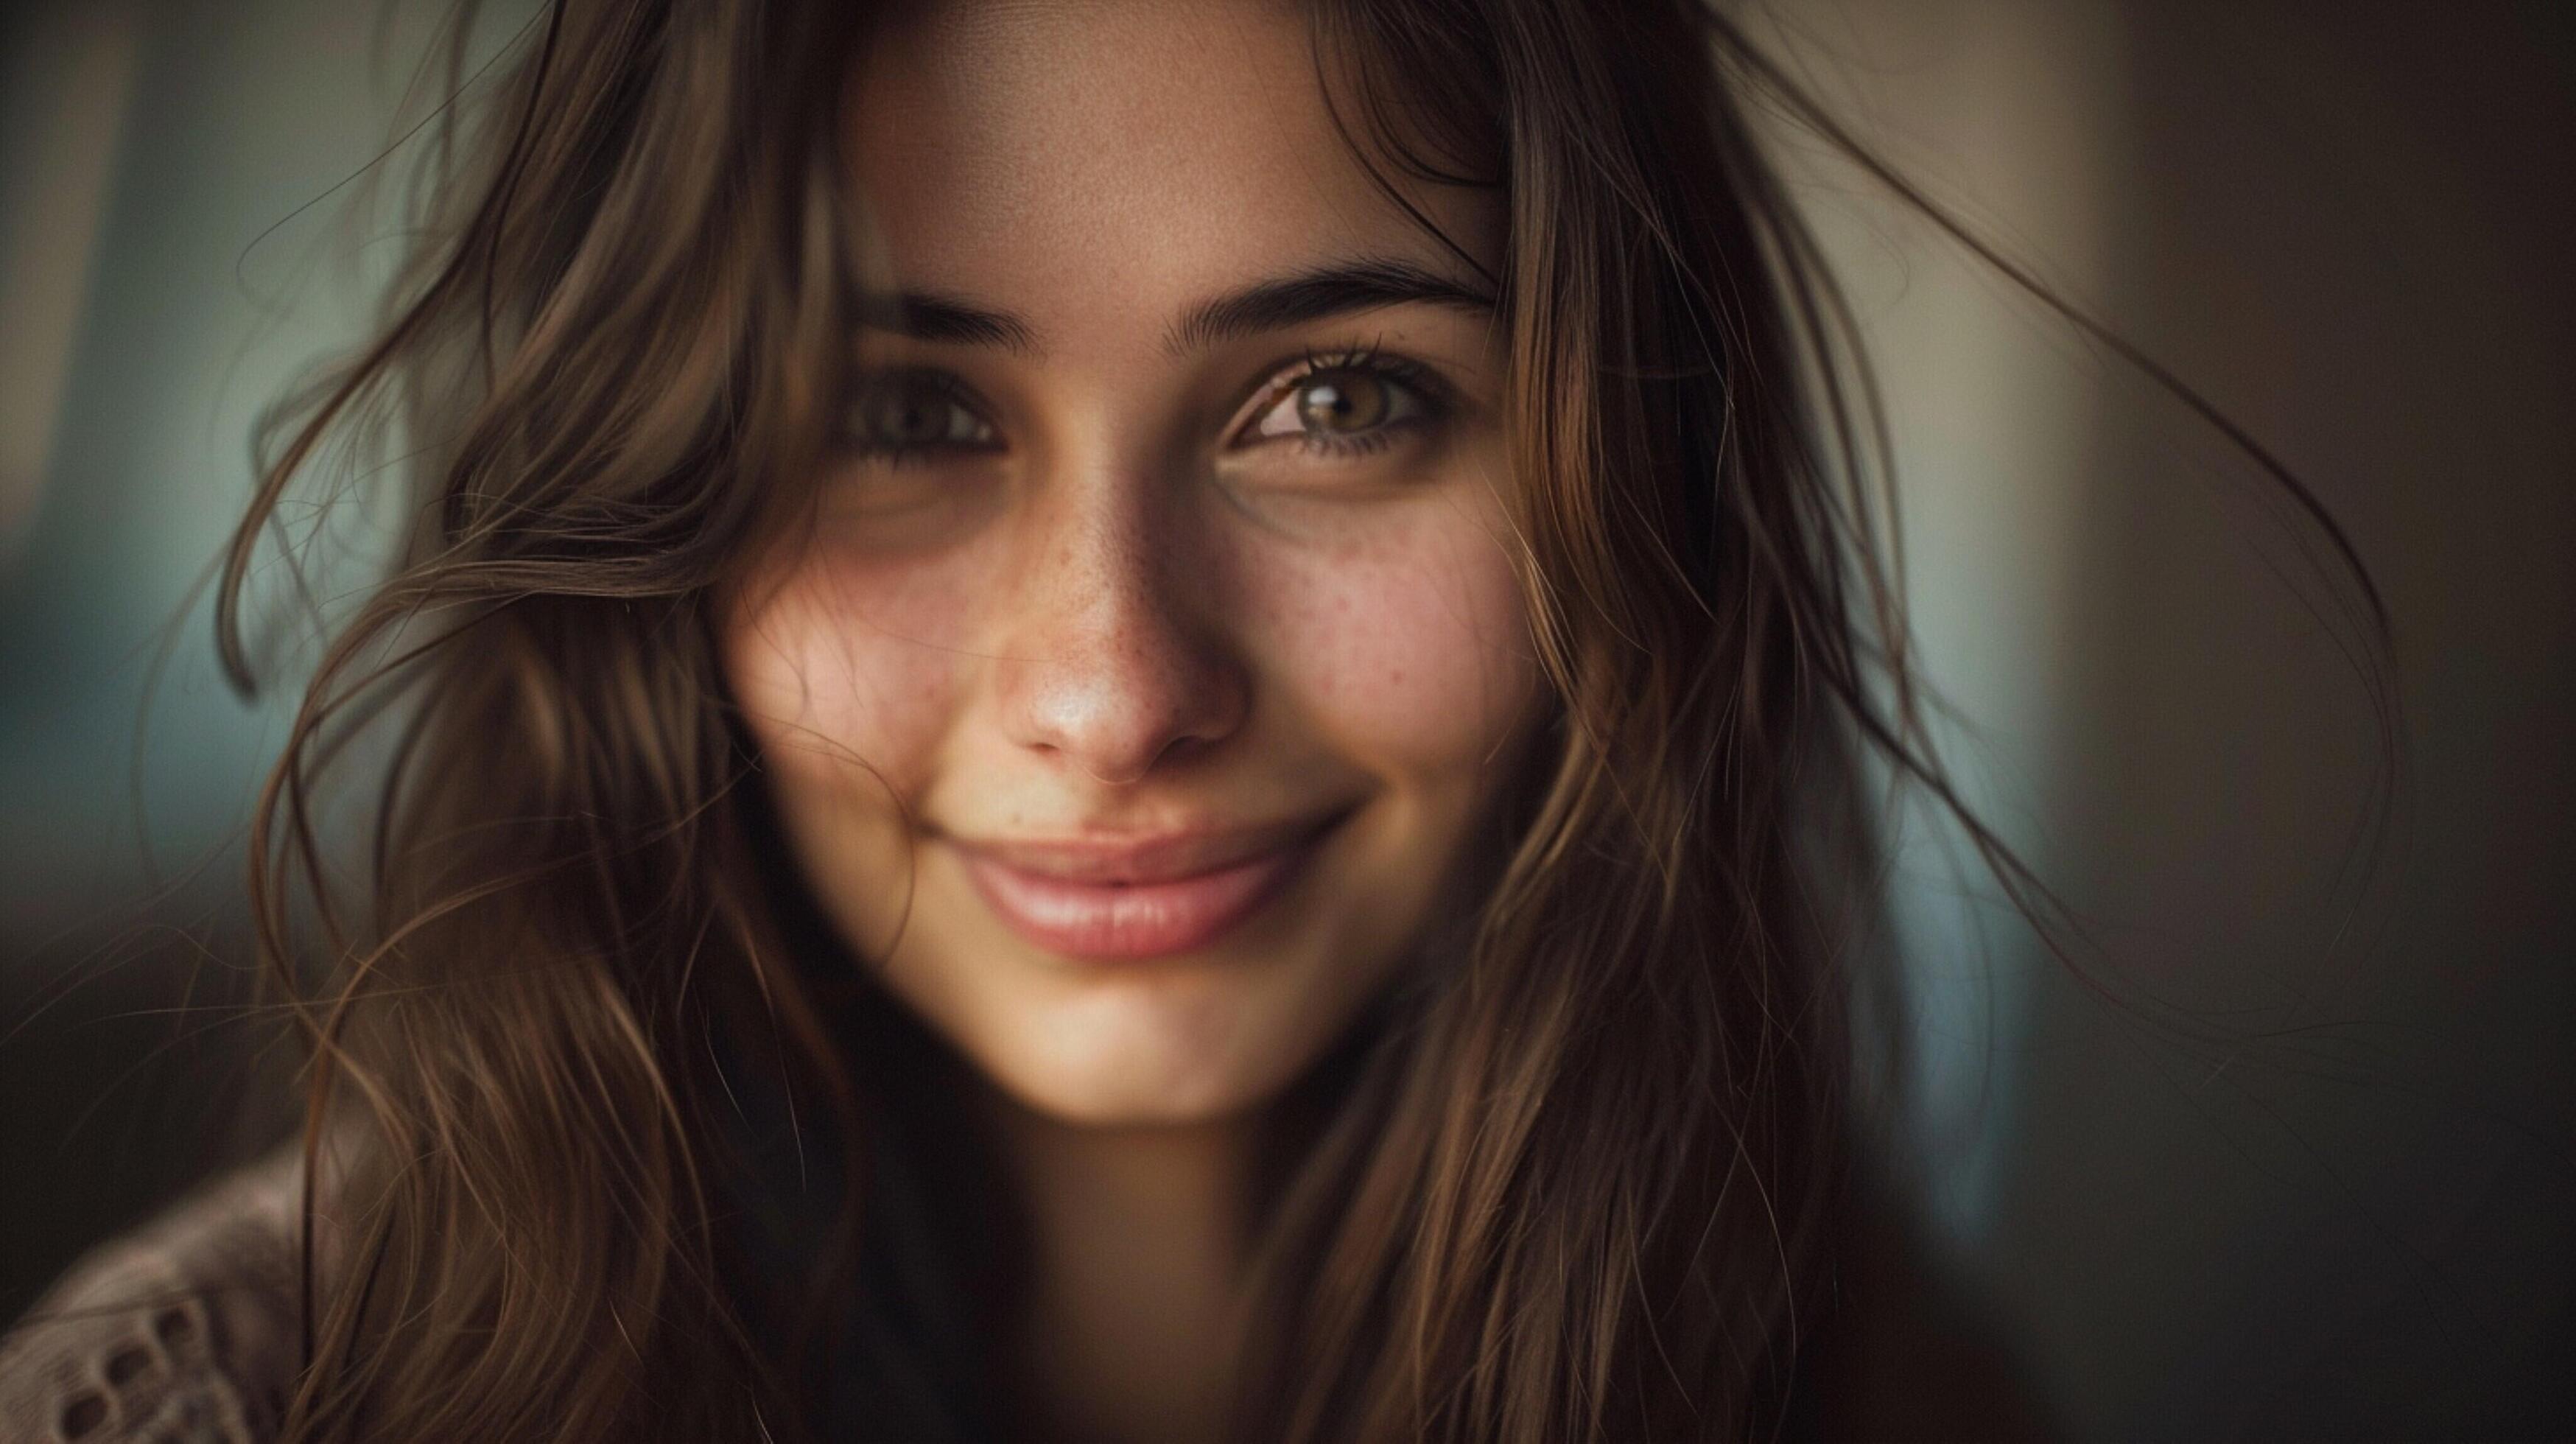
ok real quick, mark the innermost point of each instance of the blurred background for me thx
(2335, 1201)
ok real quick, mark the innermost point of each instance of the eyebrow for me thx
(1317, 295)
(926, 316)
(1271, 305)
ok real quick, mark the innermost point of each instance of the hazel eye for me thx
(911, 412)
(1338, 404)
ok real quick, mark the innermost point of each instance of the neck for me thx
(1139, 1238)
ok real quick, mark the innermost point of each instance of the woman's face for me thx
(1155, 655)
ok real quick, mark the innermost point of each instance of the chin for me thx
(1163, 1051)
(1082, 1102)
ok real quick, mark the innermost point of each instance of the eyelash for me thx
(1418, 381)
(1408, 375)
(942, 384)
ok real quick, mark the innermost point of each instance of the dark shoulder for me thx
(184, 1329)
(1902, 1351)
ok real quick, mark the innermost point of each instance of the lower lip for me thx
(1124, 921)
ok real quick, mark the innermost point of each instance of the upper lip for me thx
(1108, 857)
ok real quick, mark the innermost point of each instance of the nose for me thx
(1114, 657)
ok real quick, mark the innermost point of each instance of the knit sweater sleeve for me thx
(183, 1330)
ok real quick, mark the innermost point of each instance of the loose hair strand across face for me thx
(1582, 1179)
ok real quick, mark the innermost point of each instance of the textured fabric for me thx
(184, 1330)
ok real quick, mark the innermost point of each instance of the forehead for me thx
(1108, 152)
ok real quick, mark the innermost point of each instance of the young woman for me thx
(1129, 722)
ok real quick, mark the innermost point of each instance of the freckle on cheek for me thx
(1395, 645)
(845, 705)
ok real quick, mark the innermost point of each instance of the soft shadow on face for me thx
(1156, 654)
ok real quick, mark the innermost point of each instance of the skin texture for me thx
(1121, 615)
(1123, 597)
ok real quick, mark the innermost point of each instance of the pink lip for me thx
(1137, 898)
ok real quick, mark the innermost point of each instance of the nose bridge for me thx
(1112, 653)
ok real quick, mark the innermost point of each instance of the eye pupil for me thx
(907, 418)
(1350, 401)
(903, 413)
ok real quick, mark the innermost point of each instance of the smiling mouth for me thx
(1123, 900)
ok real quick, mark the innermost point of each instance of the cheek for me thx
(848, 672)
(1405, 641)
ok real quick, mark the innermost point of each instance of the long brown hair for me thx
(1578, 1183)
